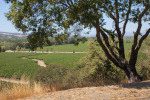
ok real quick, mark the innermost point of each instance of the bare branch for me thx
(104, 48)
(116, 10)
(106, 39)
(139, 26)
(143, 38)
(120, 36)
(136, 46)
(127, 17)
(109, 12)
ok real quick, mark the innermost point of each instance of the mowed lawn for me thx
(18, 64)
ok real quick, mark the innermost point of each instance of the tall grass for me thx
(17, 91)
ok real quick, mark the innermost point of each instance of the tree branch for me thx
(109, 12)
(136, 46)
(139, 27)
(104, 48)
(106, 39)
(143, 38)
(127, 17)
(120, 36)
(116, 11)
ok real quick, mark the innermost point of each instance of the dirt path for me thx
(40, 62)
(140, 91)
(49, 52)
(14, 81)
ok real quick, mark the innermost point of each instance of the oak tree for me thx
(49, 16)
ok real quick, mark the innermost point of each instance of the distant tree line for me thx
(60, 39)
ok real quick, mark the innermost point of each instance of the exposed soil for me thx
(40, 62)
(41, 52)
(14, 81)
(133, 91)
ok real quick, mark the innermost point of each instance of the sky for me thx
(7, 26)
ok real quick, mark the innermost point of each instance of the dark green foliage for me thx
(37, 39)
(101, 70)
(107, 73)
(62, 38)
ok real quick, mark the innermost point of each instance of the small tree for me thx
(33, 15)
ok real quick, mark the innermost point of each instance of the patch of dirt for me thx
(135, 91)
(40, 62)
(14, 81)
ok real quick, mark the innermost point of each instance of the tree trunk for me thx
(132, 74)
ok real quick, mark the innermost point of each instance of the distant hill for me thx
(12, 35)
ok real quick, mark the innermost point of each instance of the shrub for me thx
(51, 75)
(95, 69)
(145, 72)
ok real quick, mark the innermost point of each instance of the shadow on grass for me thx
(139, 85)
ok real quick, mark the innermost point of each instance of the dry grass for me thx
(24, 90)
(16, 92)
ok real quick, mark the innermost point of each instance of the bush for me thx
(145, 73)
(2, 49)
(95, 69)
(51, 75)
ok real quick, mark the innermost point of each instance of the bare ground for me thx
(40, 62)
(133, 91)
(14, 81)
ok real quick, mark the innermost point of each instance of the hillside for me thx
(133, 91)
(12, 35)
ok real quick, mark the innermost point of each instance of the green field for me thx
(18, 64)
(82, 47)
(13, 65)
(67, 60)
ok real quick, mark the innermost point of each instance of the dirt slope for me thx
(134, 91)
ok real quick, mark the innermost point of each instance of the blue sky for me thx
(7, 26)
